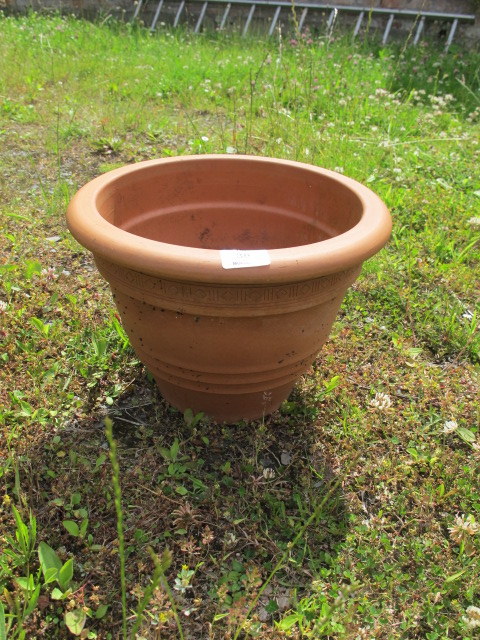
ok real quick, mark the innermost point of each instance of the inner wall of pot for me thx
(210, 204)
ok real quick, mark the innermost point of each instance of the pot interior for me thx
(231, 203)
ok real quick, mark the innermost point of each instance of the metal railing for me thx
(419, 18)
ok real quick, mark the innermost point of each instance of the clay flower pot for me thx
(218, 334)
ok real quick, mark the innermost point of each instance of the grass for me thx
(353, 511)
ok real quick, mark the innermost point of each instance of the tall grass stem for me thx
(117, 492)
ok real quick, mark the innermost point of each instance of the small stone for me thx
(263, 614)
(283, 602)
(285, 458)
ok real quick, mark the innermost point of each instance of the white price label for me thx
(239, 258)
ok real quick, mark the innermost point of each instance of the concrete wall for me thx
(124, 8)
(84, 8)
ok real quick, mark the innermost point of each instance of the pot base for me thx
(229, 408)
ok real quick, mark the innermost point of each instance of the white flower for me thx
(381, 401)
(268, 473)
(472, 619)
(464, 526)
(204, 138)
(50, 273)
(3, 305)
(231, 538)
(475, 222)
(450, 426)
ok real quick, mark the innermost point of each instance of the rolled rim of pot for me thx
(92, 218)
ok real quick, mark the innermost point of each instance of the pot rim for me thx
(177, 262)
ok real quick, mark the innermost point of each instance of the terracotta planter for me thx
(227, 341)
